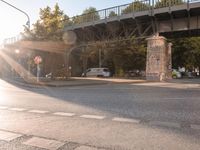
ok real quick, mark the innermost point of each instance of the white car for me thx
(97, 72)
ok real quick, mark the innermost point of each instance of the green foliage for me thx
(112, 14)
(166, 3)
(120, 56)
(50, 24)
(135, 6)
(89, 14)
(186, 52)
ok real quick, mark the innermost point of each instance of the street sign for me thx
(38, 59)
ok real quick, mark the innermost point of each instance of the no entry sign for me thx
(38, 60)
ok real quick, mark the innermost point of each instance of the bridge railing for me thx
(139, 5)
(136, 6)
(12, 40)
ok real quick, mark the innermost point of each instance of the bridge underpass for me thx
(171, 19)
(142, 19)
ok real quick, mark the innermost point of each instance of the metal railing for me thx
(12, 40)
(136, 6)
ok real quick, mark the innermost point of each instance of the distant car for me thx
(97, 72)
(176, 74)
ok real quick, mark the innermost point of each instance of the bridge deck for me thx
(146, 8)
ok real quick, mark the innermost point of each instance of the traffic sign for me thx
(38, 59)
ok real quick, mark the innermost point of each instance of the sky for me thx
(12, 20)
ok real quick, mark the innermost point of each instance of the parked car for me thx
(176, 74)
(97, 72)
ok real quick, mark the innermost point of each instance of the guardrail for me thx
(136, 6)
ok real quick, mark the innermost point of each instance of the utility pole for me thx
(27, 24)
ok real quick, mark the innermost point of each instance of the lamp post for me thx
(69, 38)
(28, 22)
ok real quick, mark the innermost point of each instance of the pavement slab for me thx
(44, 143)
(8, 136)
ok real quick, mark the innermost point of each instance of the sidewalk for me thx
(77, 81)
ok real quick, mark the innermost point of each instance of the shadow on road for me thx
(176, 101)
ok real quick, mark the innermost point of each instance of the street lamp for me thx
(28, 22)
(17, 51)
(69, 38)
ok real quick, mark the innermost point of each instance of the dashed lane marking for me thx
(64, 114)
(92, 117)
(116, 119)
(44, 143)
(8, 136)
(38, 111)
(17, 109)
(125, 120)
(3, 107)
(86, 148)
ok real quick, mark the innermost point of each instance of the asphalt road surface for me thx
(152, 116)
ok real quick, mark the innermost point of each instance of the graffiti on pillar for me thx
(154, 63)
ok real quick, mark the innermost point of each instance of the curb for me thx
(35, 85)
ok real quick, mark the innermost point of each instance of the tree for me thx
(49, 25)
(186, 53)
(89, 14)
(120, 56)
(136, 6)
(112, 14)
(166, 3)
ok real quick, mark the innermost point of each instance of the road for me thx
(137, 116)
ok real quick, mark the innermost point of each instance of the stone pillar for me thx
(169, 61)
(158, 57)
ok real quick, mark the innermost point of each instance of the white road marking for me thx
(92, 117)
(64, 114)
(8, 136)
(38, 111)
(3, 107)
(17, 109)
(44, 143)
(125, 120)
(163, 123)
(86, 148)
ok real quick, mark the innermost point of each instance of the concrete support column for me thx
(158, 66)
